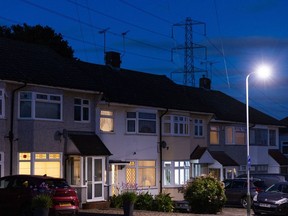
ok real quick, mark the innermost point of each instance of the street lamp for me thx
(263, 71)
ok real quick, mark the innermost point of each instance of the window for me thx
(2, 107)
(285, 147)
(235, 135)
(176, 173)
(106, 121)
(40, 106)
(176, 125)
(43, 163)
(142, 173)
(140, 122)
(259, 137)
(198, 127)
(1, 164)
(214, 135)
(81, 110)
(73, 170)
(272, 137)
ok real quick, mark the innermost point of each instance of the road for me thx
(117, 212)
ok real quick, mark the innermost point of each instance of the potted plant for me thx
(129, 199)
(41, 204)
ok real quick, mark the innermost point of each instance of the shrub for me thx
(42, 201)
(144, 201)
(129, 196)
(205, 194)
(116, 201)
(163, 203)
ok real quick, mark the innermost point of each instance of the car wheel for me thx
(244, 202)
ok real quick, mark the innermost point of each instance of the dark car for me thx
(17, 191)
(236, 190)
(273, 201)
(268, 178)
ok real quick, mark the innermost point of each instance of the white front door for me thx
(95, 168)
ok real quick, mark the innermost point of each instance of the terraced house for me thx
(101, 126)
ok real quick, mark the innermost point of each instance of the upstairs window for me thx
(272, 137)
(2, 107)
(176, 125)
(235, 135)
(259, 137)
(40, 106)
(81, 110)
(198, 127)
(106, 121)
(214, 134)
(141, 122)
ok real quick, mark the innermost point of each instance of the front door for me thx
(95, 178)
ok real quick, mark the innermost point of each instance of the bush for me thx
(205, 195)
(163, 203)
(42, 201)
(116, 201)
(144, 201)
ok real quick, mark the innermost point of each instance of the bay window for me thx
(175, 125)
(40, 106)
(176, 173)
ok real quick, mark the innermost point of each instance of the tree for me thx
(40, 35)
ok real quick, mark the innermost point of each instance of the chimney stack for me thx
(113, 59)
(205, 82)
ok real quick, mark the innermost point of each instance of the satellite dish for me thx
(163, 144)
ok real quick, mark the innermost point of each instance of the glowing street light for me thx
(263, 72)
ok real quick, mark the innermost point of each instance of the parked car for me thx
(236, 190)
(273, 201)
(17, 191)
(268, 178)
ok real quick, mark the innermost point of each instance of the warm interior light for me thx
(263, 71)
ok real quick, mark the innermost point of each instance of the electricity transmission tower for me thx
(190, 50)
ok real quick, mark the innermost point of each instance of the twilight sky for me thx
(150, 35)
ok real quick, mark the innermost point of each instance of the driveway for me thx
(117, 212)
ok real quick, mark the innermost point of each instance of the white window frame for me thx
(198, 127)
(109, 117)
(177, 125)
(137, 120)
(34, 101)
(134, 165)
(82, 106)
(177, 169)
(2, 103)
(31, 159)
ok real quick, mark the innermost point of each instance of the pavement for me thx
(117, 212)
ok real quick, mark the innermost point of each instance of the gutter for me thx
(11, 133)
(160, 150)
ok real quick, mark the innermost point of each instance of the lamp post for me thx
(262, 71)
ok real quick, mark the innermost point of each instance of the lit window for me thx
(214, 135)
(176, 125)
(235, 135)
(176, 173)
(2, 104)
(140, 122)
(81, 109)
(40, 106)
(43, 164)
(142, 173)
(198, 127)
(106, 121)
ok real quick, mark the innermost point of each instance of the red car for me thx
(17, 191)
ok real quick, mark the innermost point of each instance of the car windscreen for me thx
(56, 183)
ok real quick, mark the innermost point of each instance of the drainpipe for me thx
(160, 150)
(11, 133)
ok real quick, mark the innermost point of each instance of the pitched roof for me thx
(89, 144)
(278, 156)
(37, 64)
(220, 156)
